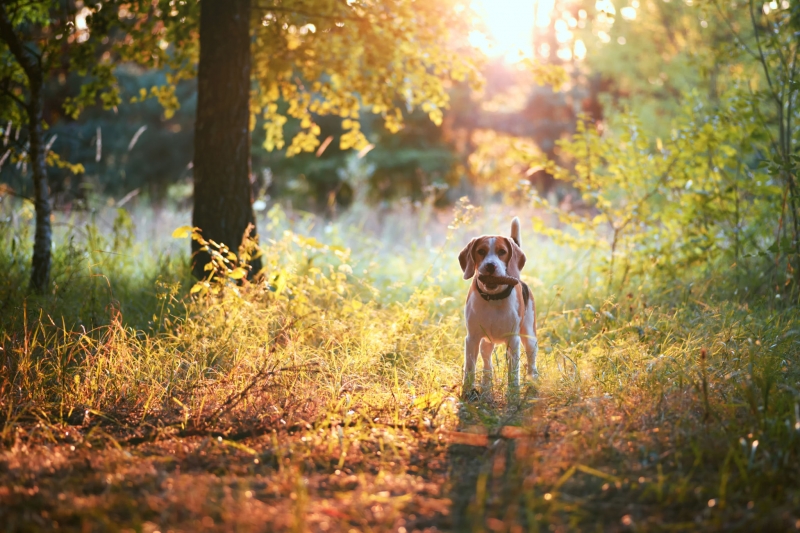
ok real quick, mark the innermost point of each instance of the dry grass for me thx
(325, 398)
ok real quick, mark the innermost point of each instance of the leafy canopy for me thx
(327, 57)
(310, 57)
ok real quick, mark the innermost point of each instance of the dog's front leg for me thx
(488, 372)
(532, 350)
(513, 362)
(470, 358)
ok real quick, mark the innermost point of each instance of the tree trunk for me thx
(222, 193)
(42, 240)
(43, 237)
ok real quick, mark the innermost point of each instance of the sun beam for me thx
(510, 26)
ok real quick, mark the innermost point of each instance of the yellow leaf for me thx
(436, 116)
(279, 282)
(237, 273)
(309, 241)
(428, 400)
(182, 232)
(199, 286)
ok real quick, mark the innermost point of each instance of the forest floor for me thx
(327, 397)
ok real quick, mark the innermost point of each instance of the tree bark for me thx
(43, 237)
(222, 192)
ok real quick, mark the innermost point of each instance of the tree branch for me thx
(26, 59)
(11, 192)
(790, 103)
(761, 56)
(20, 102)
(307, 13)
(733, 31)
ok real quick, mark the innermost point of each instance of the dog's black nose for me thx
(490, 268)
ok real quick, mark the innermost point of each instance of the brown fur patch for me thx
(501, 245)
(480, 249)
(483, 245)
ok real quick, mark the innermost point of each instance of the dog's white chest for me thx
(497, 320)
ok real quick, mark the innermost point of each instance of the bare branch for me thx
(792, 95)
(733, 31)
(761, 56)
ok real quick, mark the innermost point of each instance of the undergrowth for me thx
(324, 395)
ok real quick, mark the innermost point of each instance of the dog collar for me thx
(499, 296)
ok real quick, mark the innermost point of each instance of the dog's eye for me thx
(501, 252)
(482, 253)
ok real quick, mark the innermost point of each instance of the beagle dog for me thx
(497, 314)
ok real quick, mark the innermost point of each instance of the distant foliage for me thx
(132, 148)
(668, 204)
(693, 173)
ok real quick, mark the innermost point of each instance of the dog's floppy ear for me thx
(466, 261)
(517, 259)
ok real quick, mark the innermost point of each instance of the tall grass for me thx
(325, 396)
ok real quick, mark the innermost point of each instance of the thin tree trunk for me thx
(43, 237)
(222, 192)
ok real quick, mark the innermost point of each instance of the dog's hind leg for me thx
(470, 358)
(530, 340)
(488, 371)
(531, 344)
(512, 356)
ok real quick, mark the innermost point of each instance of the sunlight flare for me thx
(510, 26)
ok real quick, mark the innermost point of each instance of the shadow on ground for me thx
(490, 476)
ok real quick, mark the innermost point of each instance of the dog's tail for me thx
(515, 231)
